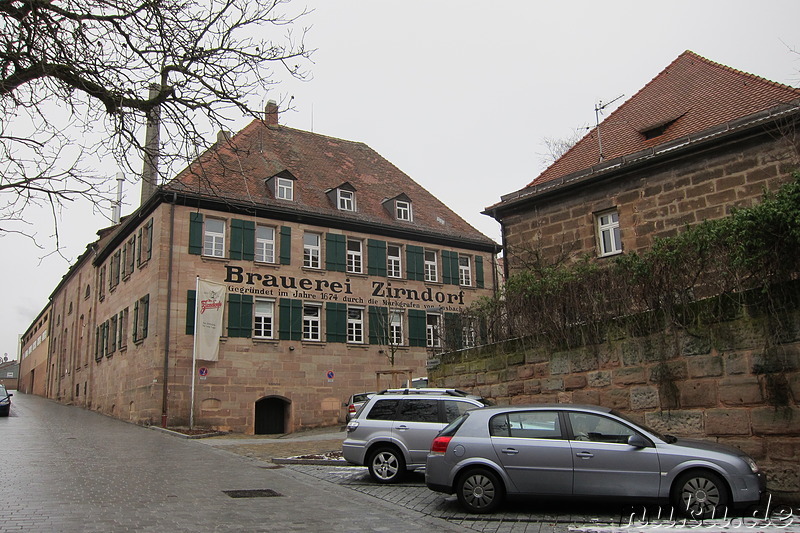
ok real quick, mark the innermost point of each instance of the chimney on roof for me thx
(151, 147)
(271, 113)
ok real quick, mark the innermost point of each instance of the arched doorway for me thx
(272, 413)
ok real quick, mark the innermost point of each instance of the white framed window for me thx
(396, 328)
(264, 319)
(431, 266)
(346, 200)
(265, 244)
(608, 233)
(214, 237)
(394, 265)
(403, 210)
(464, 271)
(433, 330)
(284, 189)
(311, 322)
(354, 256)
(311, 250)
(355, 325)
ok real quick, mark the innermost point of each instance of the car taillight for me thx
(351, 409)
(439, 444)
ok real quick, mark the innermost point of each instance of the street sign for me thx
(203, 371)
(330, 375)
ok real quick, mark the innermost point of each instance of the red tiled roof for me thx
(236, 171)
(692, 92)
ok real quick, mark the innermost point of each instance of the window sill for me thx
(215, 259)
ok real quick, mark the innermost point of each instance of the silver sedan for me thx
(579, 451)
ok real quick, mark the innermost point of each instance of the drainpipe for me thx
(165, 385)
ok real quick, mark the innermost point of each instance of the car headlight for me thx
(5, 401)
(752, 464)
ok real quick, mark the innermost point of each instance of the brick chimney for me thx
(271, 113)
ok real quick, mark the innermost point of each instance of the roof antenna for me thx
(598, 109)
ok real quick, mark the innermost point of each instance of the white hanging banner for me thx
(208, 319)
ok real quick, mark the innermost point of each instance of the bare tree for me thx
(76, 81)
(555, 147)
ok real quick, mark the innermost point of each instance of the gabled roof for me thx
(236, 171)
(691, 95)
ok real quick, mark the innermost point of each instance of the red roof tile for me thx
(236, 172)
(692, 92)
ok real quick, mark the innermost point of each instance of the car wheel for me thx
(700, 495)
(386, 465)
(479, 491)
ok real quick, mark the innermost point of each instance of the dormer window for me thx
(343, 197)
(403, 210)
(284, 189)
(346, 200)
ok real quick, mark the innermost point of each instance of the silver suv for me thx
(393, 430)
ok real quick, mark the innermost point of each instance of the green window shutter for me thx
(240, 315)
(452, 331)
(336, 322)
(139, 251)
(450, 267)
(97, 355)
(415, 262)
(479, 271)
(290, 322)
(145, 315)
(376, 257)
(335, 252)
(191, 306)
(136, 321)
(195, 233)
(249, 240)
(150, 239)
(237, 238)
(416, 328)
(243, 239)
(286, 245)
(454, 269)
(447, 278)
(378, 325)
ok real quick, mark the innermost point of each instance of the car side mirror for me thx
(10, 395)
(637, 441)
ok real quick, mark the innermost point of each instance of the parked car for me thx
(584, 452)
(5, 401)
(393, 431)
(354, 403)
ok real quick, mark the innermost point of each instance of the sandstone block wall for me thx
(653, 202)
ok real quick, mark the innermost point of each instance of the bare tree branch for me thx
(75, 81)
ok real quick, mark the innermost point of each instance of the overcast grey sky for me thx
(460, 94)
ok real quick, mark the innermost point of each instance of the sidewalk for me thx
(314, 446)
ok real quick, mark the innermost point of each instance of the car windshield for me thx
(3, 391)
(665, 438)
(361, 397)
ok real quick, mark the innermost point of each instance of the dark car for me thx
(5, 401)
(574, 451)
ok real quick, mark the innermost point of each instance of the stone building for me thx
(34, 345)
(334, 261)
(695, 141)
